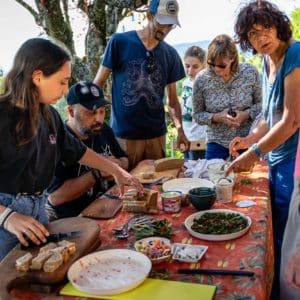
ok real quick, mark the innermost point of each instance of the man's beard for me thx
(160, 36)
(93, 130)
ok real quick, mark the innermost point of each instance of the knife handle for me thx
(31, 244)
(216, 272)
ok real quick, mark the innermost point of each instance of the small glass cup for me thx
(224, 188)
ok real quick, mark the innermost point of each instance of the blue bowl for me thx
(202, 198)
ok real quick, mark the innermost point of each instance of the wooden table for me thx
(253, 251)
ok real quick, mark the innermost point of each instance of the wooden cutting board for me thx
(88, 240)
(102, 208)
(148, 166)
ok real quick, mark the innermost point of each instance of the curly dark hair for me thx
(262, 13)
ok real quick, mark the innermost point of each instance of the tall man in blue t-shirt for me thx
(142, 66)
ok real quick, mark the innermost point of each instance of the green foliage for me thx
(179, 87)
(171, 138)
(1, 84)
(295, 17)
(61, 108)
(252, 59)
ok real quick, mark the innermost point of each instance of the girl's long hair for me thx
(20, 92)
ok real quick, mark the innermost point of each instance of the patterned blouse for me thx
(211, 94)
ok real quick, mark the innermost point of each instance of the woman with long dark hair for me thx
(34, 139)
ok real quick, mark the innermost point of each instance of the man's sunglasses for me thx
(221, 66)
(150, 62)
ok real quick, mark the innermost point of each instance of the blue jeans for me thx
(194, 154)
(281, 187)
(214, 150)
(33, 206)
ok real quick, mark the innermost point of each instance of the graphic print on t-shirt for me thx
(141, 85)
(106, 150)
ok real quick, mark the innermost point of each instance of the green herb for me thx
(157, 227)
(219, 223)
(246, 181)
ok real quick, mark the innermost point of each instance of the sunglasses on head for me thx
(150, 62)
(220, 66)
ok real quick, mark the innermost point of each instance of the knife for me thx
(54, 237)
(216, 272)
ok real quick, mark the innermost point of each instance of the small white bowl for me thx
(187, 252)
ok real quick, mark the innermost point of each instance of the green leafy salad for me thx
(219, 223)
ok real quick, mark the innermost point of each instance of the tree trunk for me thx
(103, 18)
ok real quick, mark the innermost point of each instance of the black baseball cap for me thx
(87, 94)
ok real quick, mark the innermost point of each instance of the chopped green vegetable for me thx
(219, 223)
(246, 181)
(157, 227)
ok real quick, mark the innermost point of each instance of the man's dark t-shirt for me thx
(104, 143)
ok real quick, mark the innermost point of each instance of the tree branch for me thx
(34, 13)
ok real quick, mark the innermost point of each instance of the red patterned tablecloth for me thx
(253, 251)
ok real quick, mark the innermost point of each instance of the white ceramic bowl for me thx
(183, 185)
(187, 252)
(215, 237)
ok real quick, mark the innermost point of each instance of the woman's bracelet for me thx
(4, 215)
(7, 218)
(256, 150)
(96, 174)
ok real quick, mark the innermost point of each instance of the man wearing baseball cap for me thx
(143, 65)
(76, 186)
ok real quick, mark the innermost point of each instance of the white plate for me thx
(215, 237)
(109, 272)
(187, 252)
(185, 184)
(148, 241)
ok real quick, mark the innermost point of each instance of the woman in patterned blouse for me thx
(226, 96)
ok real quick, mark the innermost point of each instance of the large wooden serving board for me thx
(88, 241)
(148, 166)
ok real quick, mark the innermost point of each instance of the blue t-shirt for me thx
(138, 85)
(273, 95)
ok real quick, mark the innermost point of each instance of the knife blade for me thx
(54, 237)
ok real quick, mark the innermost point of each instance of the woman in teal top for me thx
(262, 28)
